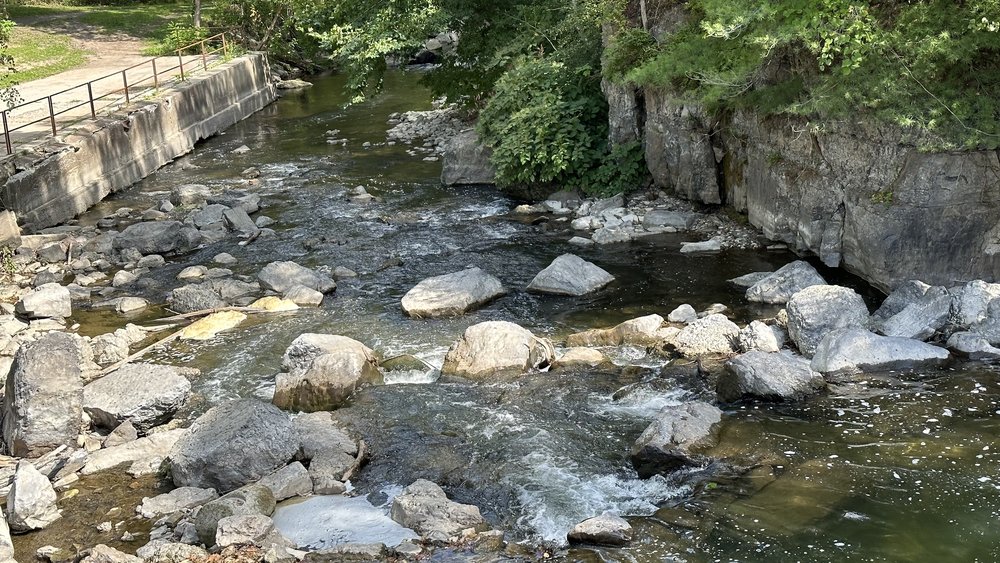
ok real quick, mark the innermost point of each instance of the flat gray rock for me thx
(778, 287)
(714, 334)
(181, 499)
(607, 529)
(282, 276)
(48, 301)
(671, 441)
(768, 376)
(148, 395)
(922, 318)
(452, 294)
(570, 275)
(857, 350)
(819, 309)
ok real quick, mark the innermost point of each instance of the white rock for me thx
(452, 294)
(569, 274)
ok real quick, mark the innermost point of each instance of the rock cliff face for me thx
(855, 193)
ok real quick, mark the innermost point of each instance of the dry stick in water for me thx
(362, 452)
(170, 338)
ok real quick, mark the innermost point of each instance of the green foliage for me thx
(630, 48)
(8, 82)
(622, 169)
(929, 65)
(282, 28)
(178, 36)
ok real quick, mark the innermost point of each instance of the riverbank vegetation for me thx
(931, 66)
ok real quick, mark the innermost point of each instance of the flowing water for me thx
(899, 467)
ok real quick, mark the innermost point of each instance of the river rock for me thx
(252, 499)
(581, 357)
(44, 392)
(610, 235)
(923, 318)
(248, 529)
(711, 245)
(101, 553)
(150, 450)
(327, 472)
(746, 281)
(973, 302)
(683, 314)
(973, 345)
(788, 280)
(31, 502)
(759, 336)
(195, 297)
(497, 348)
(282, 276)
(607, 529)
(322, 371)
(181, 499)
(660, 218)
(672, 440)
(274, 304)
(819, 309)
(466, 161)
(452, 294)
(641, 331)
(148, 395)
(289, 481)
(209, 326)
(768, 376)
(302, 295)
(907, 293)
(425, 508)
(318, 432)
(234, 443)
(714, 334)
(122, 434)
(853, 350)
(49, 300)
(570, 275)
(238, 221)
(159, 551)
(206, 216)
(189, 194)
(192, 272)
(156, 237)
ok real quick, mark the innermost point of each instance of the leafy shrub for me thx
(628, 49)
(622, 169)
(178, 35)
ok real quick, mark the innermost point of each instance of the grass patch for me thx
(38, 54)
(147, 21)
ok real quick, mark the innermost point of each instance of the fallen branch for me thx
(206, 312)
(358, 462)
(170, 338)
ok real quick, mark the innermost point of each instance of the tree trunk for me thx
(197, 13)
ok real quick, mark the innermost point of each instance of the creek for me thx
(886, 467)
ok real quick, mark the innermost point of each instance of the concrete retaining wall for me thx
(66, 175)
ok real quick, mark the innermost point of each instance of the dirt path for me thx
(107, 54)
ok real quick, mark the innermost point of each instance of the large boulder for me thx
(157, 237)
(781, 285)
(48, 301)
(146, 394)
(42, 404)
(452, 294)
(819, 309)
(641, 331)
(195, 297)
(425, 508)
(322, 371)
(856, 350)
(606, 529)
(570, 275)
(672, 440)
(282, 276)
(31, 503)
(907, 293)
(466, 161)
(973, 302)
(768, 376)
(497, 348)
(712, 335)
(922, 318)
(233, 444)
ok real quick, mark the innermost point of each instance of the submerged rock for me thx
(497, 348)
(233, 444)
(31, 503)
(323, 370)
(282, 276)
(145, 394)
(854, 350)
(768, 376)
(570, 275)
(44, 394)
(452, 294)
(425, 508)
(673, 439)
(641, 331)
(607, 529)
(788, 280)
(819, 309)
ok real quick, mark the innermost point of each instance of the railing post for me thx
(180, 58)
(156, 79)
(125, 82)
(6, 132)
(52, 116)
(204, 61)
(90, 96)
(225, 46)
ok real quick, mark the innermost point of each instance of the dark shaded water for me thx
(889, 469)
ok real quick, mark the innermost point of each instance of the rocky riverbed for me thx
(306, 350)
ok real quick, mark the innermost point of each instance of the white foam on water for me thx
(322, 522)
(644, 403)
(411, 377)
